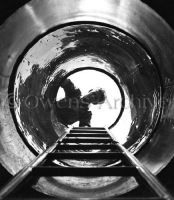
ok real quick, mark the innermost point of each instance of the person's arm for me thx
(95, 97)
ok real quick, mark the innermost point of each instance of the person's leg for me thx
(85, 118)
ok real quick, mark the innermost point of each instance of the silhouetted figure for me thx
(74, 107)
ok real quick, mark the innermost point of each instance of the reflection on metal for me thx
(130, 166)
(47, 40)
(38, 22)
(74, 51)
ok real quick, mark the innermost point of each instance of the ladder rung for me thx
(73, 171)
(138, 198)
(88, 135)
(88, 128)
(87, 140)
(87, 147)
(84, 155)
(88, 131)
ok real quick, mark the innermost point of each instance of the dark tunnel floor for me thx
(27, 192)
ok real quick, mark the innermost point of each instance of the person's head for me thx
(97, 96)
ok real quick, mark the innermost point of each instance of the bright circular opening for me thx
(102, 93)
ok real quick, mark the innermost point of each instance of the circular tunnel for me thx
(113, 56)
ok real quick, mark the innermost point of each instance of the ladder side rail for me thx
(145, 173)
(27, 170)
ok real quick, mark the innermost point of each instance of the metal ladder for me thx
(81, 142)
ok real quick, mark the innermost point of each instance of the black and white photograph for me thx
(86, 100)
